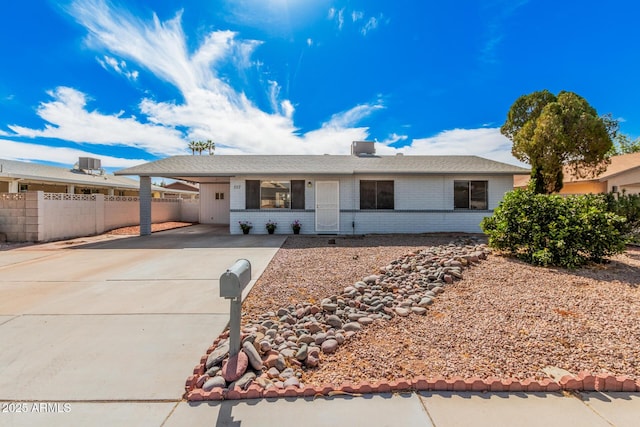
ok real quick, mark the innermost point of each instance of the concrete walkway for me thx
(104, 331)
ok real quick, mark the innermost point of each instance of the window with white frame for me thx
(274, 194)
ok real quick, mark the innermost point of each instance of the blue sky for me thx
(133, 81)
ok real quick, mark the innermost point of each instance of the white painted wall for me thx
(190, 210)
(38, 216)
(422, 204)
(212, 210)
(628, 181)
(121, 212)
(71, 215)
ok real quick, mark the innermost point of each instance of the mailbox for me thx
(235, 279)
(232, 282)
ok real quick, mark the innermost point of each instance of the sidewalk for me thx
(104, 332)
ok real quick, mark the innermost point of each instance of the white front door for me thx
(327, 206)
(214, 204)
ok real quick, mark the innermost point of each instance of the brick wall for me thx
(422, 204)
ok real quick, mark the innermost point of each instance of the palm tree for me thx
(211, 146)
(193, 146)
(201, 146)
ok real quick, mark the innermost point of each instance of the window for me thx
(274, 194)
(470, 195)
(376, 195)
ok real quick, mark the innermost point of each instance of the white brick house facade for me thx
(422, 204)
(357, 194)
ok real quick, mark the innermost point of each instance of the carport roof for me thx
(232, 165)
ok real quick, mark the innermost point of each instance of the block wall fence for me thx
(41, 217)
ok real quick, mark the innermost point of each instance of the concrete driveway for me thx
(104, 332)
(115, 319)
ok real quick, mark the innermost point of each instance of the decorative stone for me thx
(352, 326)
(235, 367)
(329, 346)
(312, 361)
(402, 312)
(218, 355)
(369, 280)
(334, 321)
(302, 352)
(273, 373)
(330, 307)
(254, 357)
(367, 320)
(214, 382)
(244, 381)
(425, 302)
(292, 381)
(213, 370)
(265, 346)
(280, 364)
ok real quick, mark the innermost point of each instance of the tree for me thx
(200, 146)
(622, 144)
(211, 146)
(193, 146)
(551, 132)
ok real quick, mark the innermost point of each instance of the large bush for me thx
(628, 207)
(555, 230)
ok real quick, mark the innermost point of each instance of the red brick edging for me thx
(584, 381)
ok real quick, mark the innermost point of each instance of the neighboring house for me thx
(623, 174)
(335, 194)
(20, 177)
(179, 185)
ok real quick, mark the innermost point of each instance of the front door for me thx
(214, 204)
(327, 207)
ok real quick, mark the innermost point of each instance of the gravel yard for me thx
(506, 319)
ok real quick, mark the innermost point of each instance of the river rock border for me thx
(278, 346)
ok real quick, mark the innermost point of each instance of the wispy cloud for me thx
(357, 17)
(210, 109)
(495, 31)
(371, 24)
(22, 151)
(71, 121)
(337, 16)
(120, 67)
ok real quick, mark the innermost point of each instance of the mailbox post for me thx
(232, 282)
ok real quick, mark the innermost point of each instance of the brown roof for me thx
(180, 186)
(619, 164)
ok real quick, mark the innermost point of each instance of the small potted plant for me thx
(246, 226)
(271, 226)
(296, 226)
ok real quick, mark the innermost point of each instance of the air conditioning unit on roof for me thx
(363, 148)
(89, 163)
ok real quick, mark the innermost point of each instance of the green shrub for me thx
(555, 230)
(628, 207)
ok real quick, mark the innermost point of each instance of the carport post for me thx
(232, 282)
(145, 205)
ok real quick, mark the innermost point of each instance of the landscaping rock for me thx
(403, 288)
(235, 367)
(218, 355)
(214, 382)
(329, 346)
(254, 357)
